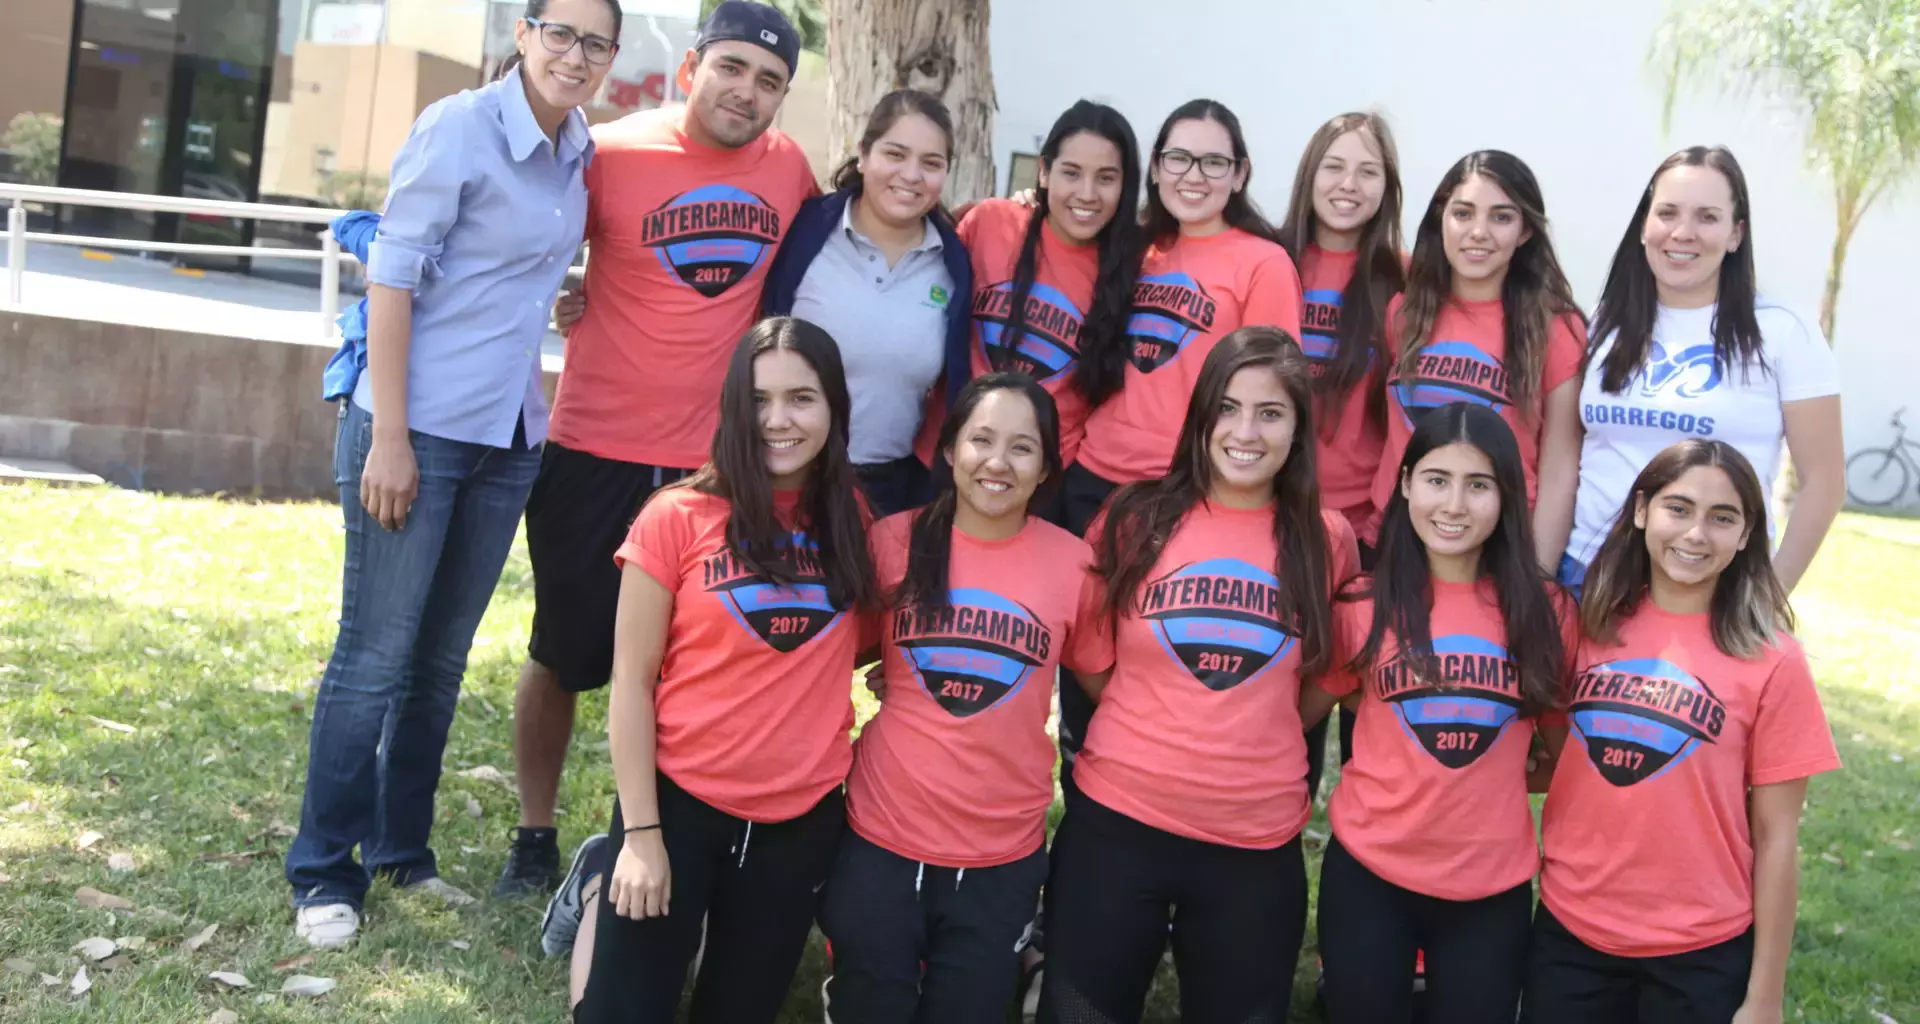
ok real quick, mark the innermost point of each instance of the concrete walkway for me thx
(66, 281)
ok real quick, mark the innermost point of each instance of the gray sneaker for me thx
(562, 920)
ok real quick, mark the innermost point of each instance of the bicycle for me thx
(1877, 477)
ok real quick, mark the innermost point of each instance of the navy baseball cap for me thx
(748, 22)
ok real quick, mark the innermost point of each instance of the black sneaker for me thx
(533, 864)
(562, 921)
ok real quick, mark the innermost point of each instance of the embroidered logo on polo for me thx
(1169, 310)
(784, 616)
(974, 654)
(1686, 373)
(1320, 327)
(1218, 618)
(1049, 339)
(1641, 716)
(711, 237)
(1459, 717)
(1448, 372)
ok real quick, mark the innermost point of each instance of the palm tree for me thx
(807, 18)
(1852, 67)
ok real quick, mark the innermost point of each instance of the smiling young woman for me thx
(1451, 652)
(1191, 787)
(1669, 884)
(1683, 346)
(1488, 317)
(877, 262)
(951, 783)
(438, 447)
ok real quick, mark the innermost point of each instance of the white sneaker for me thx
(447, 892)
(327, 926)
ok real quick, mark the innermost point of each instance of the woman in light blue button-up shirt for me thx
(439, 444)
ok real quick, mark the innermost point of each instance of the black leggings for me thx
(1238, 917)
(1370, 930)
(919, 943)
(754, 886)
(1570, 982)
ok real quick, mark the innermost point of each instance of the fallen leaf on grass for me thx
(1831, 859)
(131, 942)
(307, 985)
(87, 839)
(107, 723)
(230, 979)
(94, 948)
(202, 938)
(49, 980)
(115, 963)
(120, 863)
(81, 983)
(473, 808)
(224, 1017)
(1881, 1018)
(455, 943)
(283, 966)
(96, 900)
(486, 773)
(20, 966)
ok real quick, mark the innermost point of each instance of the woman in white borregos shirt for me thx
(1683, 347)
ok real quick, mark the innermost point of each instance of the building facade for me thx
(283, 101)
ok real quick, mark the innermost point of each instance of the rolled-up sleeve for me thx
(422, 201)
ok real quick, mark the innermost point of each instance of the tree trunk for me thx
(1836, 266)
(936, 46)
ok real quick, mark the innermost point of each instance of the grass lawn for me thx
(157, 658)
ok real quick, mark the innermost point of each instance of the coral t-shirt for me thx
(681, 238)
(957, 768)
(1649, 850)
(1435, 797)
(1465, 361)
(755, 699)
(1048, 348)
(1349, 446)
(1189, 296)
(1198, 731)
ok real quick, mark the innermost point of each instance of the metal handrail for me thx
(329, 255)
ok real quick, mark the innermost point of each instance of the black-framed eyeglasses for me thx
(1177, 162)
(559, 38)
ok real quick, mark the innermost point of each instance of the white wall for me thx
(1563, 85)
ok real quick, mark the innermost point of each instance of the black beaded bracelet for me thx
(641, 828)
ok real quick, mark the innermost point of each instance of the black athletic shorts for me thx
(578, 514)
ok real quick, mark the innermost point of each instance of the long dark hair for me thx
(886, 113)
(1533, 295)
(737, 471)
(1631, 300)
(1161, 225)
(1749, 608)
(1402, 587)
(1378, 273)
(1142, 516)
(930, 542)
(1103, 355)
(538, 9)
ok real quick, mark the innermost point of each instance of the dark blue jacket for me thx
(818, 218)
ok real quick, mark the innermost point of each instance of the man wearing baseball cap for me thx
(686, 205)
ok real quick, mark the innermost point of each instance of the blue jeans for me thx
(410, 602)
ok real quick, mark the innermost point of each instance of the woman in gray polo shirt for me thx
(877, 264)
